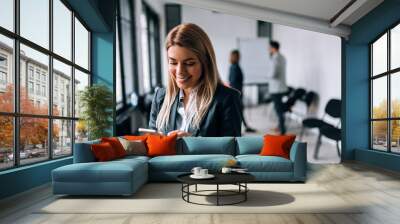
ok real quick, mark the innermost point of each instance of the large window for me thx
(126, 61)
(385, 92)
(150, 37)
(44, 64)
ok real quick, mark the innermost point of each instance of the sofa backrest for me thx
(249, 145)
(192, 146)
(206, 145)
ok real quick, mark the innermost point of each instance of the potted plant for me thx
(96, 103)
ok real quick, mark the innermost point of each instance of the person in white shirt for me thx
(277, 84)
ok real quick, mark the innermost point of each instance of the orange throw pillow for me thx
(103, 151)
(160, 145)
(277, 145)
(136, 137)
(116, 145)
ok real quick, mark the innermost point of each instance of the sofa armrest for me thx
(83, 152)
(298, 155)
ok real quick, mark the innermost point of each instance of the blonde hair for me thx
(195, 39)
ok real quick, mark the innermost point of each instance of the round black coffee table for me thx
(238, 179)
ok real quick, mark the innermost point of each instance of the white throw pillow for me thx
(136, 147)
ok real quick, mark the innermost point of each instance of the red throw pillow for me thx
(116, 145)
(160, 145)
(277, 145)
(103, 151)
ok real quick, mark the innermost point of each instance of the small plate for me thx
(208, 176)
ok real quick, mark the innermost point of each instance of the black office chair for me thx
(330, 132)
(293, 97)
(332, 109)
(309, 98)
(288, 91)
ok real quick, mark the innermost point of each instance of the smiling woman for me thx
(195, 102)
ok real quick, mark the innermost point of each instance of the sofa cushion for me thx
(257, 163)
(103, 152)
(136, 137)
(185, 163)
(249, 145)
(206, 145)
(111, 171)
(132, 158)
(135, 147)
(277, 145)
(116, 145)
(160, 145)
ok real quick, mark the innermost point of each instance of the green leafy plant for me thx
(96, 102)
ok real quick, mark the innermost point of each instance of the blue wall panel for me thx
(24, 178)
(103, 62)
(377, 158)
(102, 58)
(356, 99)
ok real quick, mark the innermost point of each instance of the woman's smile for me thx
(183, 79)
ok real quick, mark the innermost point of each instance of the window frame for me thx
(16, 115)
(388, 74)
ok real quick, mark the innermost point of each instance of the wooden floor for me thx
(378, 189)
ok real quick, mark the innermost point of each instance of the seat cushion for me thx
(132, 160)
(257, 163)
(112, 171)
(185, 163)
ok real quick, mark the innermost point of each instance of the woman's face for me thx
(184, 67)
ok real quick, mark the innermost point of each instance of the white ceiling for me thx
(314, 15)
(320, 9)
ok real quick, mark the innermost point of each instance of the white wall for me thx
(223, 30)
(313, 61)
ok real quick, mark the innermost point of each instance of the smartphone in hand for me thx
(149, 131)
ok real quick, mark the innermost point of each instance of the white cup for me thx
(226, 170)
(203, 172)
(196, 171)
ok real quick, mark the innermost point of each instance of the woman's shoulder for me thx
(223, 92)
(160, 93)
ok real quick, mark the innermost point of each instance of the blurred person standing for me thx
(236, 81)
(277, 83)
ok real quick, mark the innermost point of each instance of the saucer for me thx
(208, 176)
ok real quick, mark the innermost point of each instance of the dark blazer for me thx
(236, 77)
(222, 119)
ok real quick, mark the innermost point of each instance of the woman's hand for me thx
(179, 133)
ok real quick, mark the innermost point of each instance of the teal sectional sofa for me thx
(125, 176)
